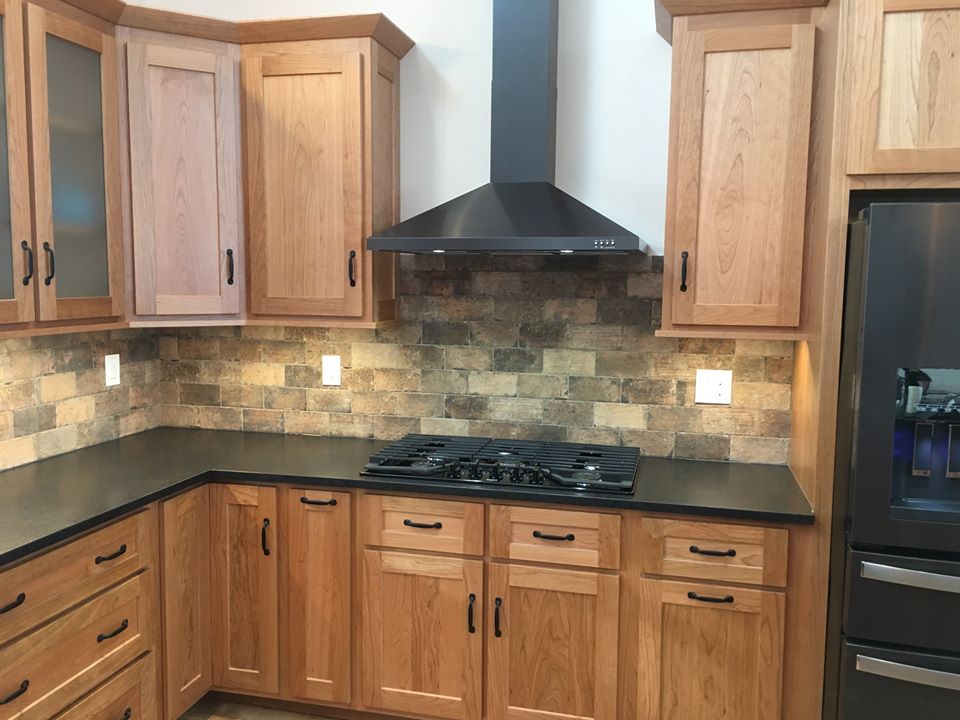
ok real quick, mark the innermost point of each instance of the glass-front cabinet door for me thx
(17, 256)
(73, 104)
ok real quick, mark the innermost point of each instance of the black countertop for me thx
(50, 500)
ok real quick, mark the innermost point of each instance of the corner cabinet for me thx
(739, 139)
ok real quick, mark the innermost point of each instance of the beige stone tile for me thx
(620, 416)
(18, 394)
(263, 420)
(491, 383)
(469, 358)
(57, 387)
(569, 362)
(16, 451)
(306, 423)
(762, 396)
(57, 441)
(76, 410)
(420, 405)
(650, 442)
(262, 374)
(444, 426)
(541, 386)
(775, 451)
(373, 355)
(404, 380)
(339, 401)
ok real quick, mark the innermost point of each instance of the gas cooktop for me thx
(529, 463)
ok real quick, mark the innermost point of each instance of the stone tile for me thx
(393, 379)
(569, 362)
(221, 418)
(650, 442)
(34, 419)
(517, 431)
(748, 368)
(593, 435)
(263, 374)
(763, 396)
(766, 348)
(727, 421)
(17, 451)
(620, 416)
(495, 283)
(444, 426)
(421, 356)
(467, 407)
(566, 412)
(623, 311)
(593, 337)
(773, 423)
(240, 349)
(645, 285)
(542, 334)
(372, 355)
(469, 358)
(73, 359)
(303, 376)
(775, 451)
(445, 333)
(111, 402)
(443, 381)
(595, 389)
(199, 348)
(521, 360)
(342, 425)
(493, 334)
(492, 383)
(284, 352)
(263, 420)
(314, 352)
(57, 441)
(516, 410)
(621, 364)
(330, 400)
(199, 394)
(306, 423)
(702, 447)
(241, 396)
(359, 379)
(704, 346)
(778, 370)
(19, 394)
(284, 398)
(389, 427)
(57, 387)
(407, 333)
(643, 391)
(542, 386)
(674, 419)
(185, 416)
(374, 403)
(420, 405)
(169, 347)
(570, 310)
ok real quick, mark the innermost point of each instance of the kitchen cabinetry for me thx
(245, 590)
(183, 108)
(739, 137)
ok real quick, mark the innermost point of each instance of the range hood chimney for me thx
(520, 210)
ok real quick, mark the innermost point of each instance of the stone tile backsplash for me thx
(528, 347)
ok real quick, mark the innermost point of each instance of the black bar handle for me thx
(351, 268)
(471, 628)
(263, 536)
(709, 599)
(113, 633)
(29, 251)
(230, 267)
(308, 501)
(51, 263)
(107, 558)
(496, 617)
(569, 537)
(16, 693)
(127, 714)
(696, 550)
(13, 605)
(684, 256)
(423, 526)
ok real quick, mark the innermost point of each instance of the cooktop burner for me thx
(531, 463)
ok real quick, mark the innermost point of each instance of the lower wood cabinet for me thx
(709, 651)
(131, 694)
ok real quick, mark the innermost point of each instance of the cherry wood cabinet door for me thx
(422, 650)
(304, 165)
(552, 647)
(740, 133)
(184, 117)
(185, 594)
(709, 651)
(74, 127)
(316, 585)
(243, 530)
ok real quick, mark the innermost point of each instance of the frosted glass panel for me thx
(76, 169)
(6, 252)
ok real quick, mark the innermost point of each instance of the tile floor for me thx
(215, 709)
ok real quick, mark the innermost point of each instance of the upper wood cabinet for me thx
(76, 170)
(321, 173)
(183, 108)
(739, 137)
(906, 86)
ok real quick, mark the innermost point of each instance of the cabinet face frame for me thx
(691, 51)
(41, 23)
(225, 207)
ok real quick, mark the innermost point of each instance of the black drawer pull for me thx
(14, 605)
(16, 693)
(230, 267)
(307, 501)
(684, 256)
(709, 599)
(29, 251)
(107, 558)
(127, 714)
(51, 263)
(106, 636)
(496, 617)
(471, 628)
(569, 537)
(713, 553)
(424, 526)
(351, 268)
(263, 536)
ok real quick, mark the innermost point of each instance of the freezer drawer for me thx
(880, 684)
(906, 601)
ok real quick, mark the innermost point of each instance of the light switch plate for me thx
(330, 369)
(111, 370)
(714, 387)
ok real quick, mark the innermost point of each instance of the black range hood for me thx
(520, 210)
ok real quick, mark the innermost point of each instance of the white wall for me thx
(613, 98)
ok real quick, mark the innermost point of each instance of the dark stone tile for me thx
(623, 311)
(73, 358)
(704, 346)
(467, 407)
(565, 412)
(445, 333)
(702, 447)
(302, 376)
(595, 389)
(285, 398)
(542, 334)
(778, 370)
(199, 394)
(34, 419)
(642, 391)
(493, 333)
(524, 360)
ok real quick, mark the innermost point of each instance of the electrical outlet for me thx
(330, 370)
(111, 370)
(714, 387)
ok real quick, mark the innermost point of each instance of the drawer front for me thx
(33, 592)
(129, 695)
(423, 524)
(59, 663)
(714, 551)
(564, 537)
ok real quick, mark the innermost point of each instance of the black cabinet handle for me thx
(308, 501)
(423, 526)
(569, 537)
(496, 617)
(16, 693)
(230, 267)
(351, 269)
(113, 633)
(127, 714)
(709, 599)
(471, 628)
(29, 251)
(263, 536)
(51, 263)
(14, 605)
(684, 256)
(107, 558)
(713, 553)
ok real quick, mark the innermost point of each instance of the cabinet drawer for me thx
(422, 524)
(715, 551)
(564, 537)
(66, 659)
(132, 694)
(41, 588)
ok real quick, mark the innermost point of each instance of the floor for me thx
(215, 709)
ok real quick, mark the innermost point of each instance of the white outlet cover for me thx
(330, 369)
(111, 370)
(714, 387)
